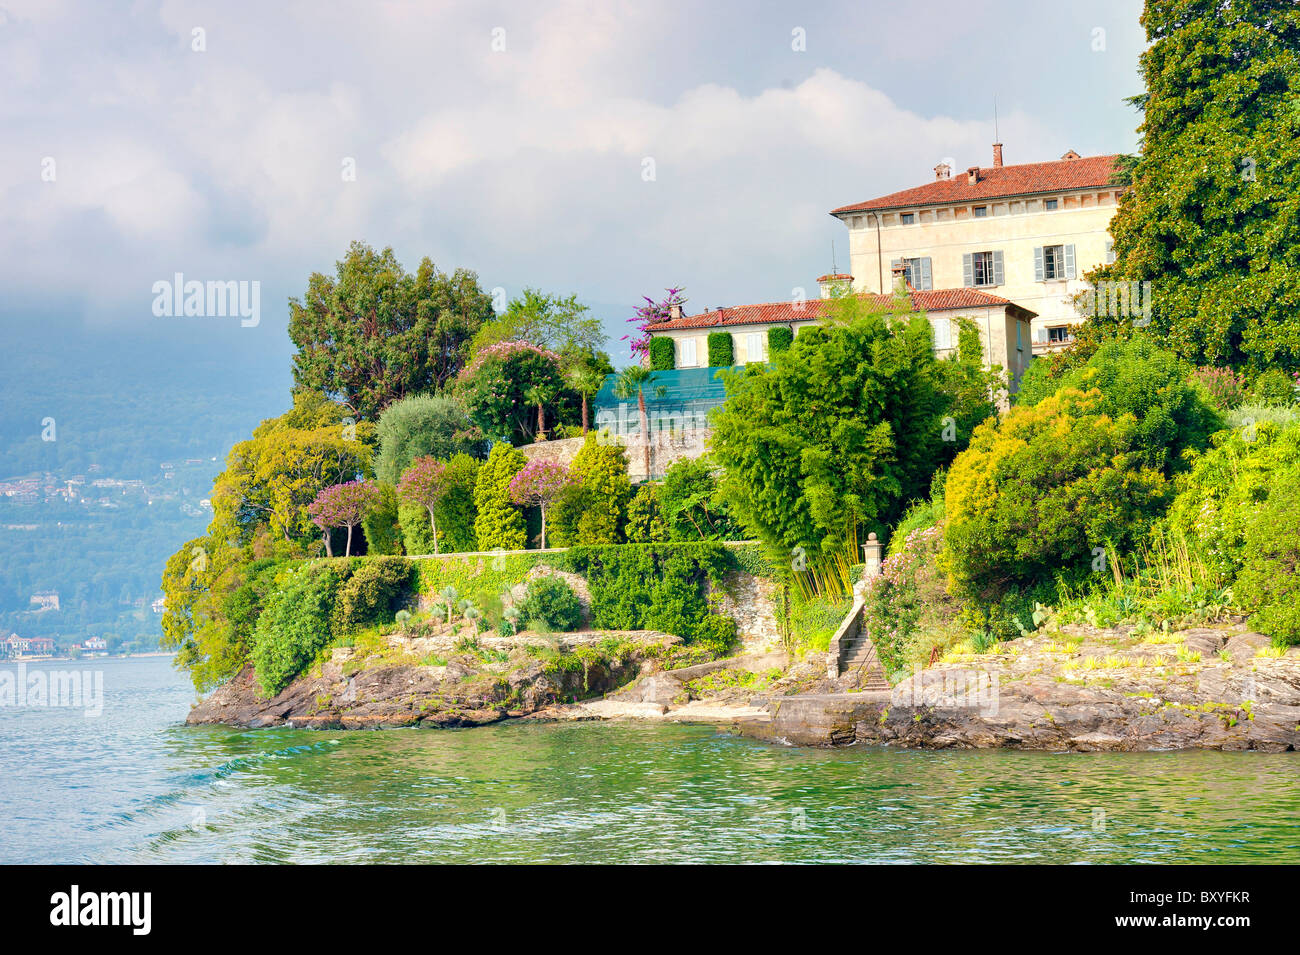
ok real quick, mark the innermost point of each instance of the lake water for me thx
(135, 785)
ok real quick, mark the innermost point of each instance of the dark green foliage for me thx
(691, 506)
(1213, 215)
(381, 524)
(552, 605)
(649, 587)
(779, 338)
(721, 350)
(1274, 387)
(1270, 581)
(834, 435)
(373, 593)
(593, 510)
(663, 356)
(645, 523)
(295, 625)
(1137, 377)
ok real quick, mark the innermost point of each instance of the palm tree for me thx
(540, 394)
(586, 381)
(633, 381)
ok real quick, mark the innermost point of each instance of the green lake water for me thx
(133, 785)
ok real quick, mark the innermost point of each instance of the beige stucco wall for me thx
(1014, 226)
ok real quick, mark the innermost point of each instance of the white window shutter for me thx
(1069, 261)
(967, 269)
(927, 280)
(942, 334)
(1038, 263)
(998, 277)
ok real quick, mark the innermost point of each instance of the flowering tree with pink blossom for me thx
(540, 483)
(652, 313)
(426, 482)
(507, 386)
(342, 505)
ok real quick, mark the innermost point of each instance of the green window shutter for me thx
(1069, 261)
(927, 280)
(967, 269)
(1038, 263)
(998, 278)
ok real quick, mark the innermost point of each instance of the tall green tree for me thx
(632, 382)
(834, 435)
(1212, 219)
(559, 323)
(373, 332)
(421, 425)
(499, 522)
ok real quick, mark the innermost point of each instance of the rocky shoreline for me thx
(1077, 689)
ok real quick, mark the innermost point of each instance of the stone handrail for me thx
(848, 631)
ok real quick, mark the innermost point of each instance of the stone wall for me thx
(666, 447)
(752, 602)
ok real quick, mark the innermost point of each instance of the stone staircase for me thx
(861, 662)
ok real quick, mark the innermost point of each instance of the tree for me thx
(422, 425)
(270, 479)
(645, 524)
(633, 380)
(496, 389)
(593, 509)
(690, 503)
(1213, 215)
(834, 435)
(343, 505)
(374, 333)
(586, 380)
(557, 323)
(540, 394)
(499, 524)
(425, 483)
(539, 483)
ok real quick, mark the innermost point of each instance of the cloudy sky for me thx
(148, 138)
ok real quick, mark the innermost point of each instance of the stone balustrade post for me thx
(873, 555)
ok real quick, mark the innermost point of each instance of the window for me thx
(907, 218)
(917, 271)
(1058, 333)
(1020, 341)
(686, 353)
(1053, 262)
(942, 334)
(980, 211)
(982, 268)
(754, 346)
(1049, 204)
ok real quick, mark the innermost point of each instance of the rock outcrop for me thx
(1076, 689)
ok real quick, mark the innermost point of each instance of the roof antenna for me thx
(996, 139)
(834, 269)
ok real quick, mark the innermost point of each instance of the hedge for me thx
(721, 353)
(663, 355)
(778, 339)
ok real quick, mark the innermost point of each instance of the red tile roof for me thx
(998, 182)
(772, 313)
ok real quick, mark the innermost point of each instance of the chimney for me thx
(973, 175)
(834, 284)
(942, 171)
(898, 277)
(997, 155)
(674, 311)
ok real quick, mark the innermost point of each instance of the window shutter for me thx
(942, 334)
(927, 282)
(1069, 261)
(967, 269)
(998, 278)
(1038, 263)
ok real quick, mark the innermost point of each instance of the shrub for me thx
(779, 338)
(594, 509)
(373, 593)
(499, 523)
(721, 350)
(1225, 487)
(1034, 495)
(1136, 377)
(420, 425)
(1243, 416)
(663, 354)
(1270, 579)
(645, 523)
(551, 603)
(294, 626)
(1225, 387)
(1274, 387)
(690, 503)
(908, 602)
(382, 525)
